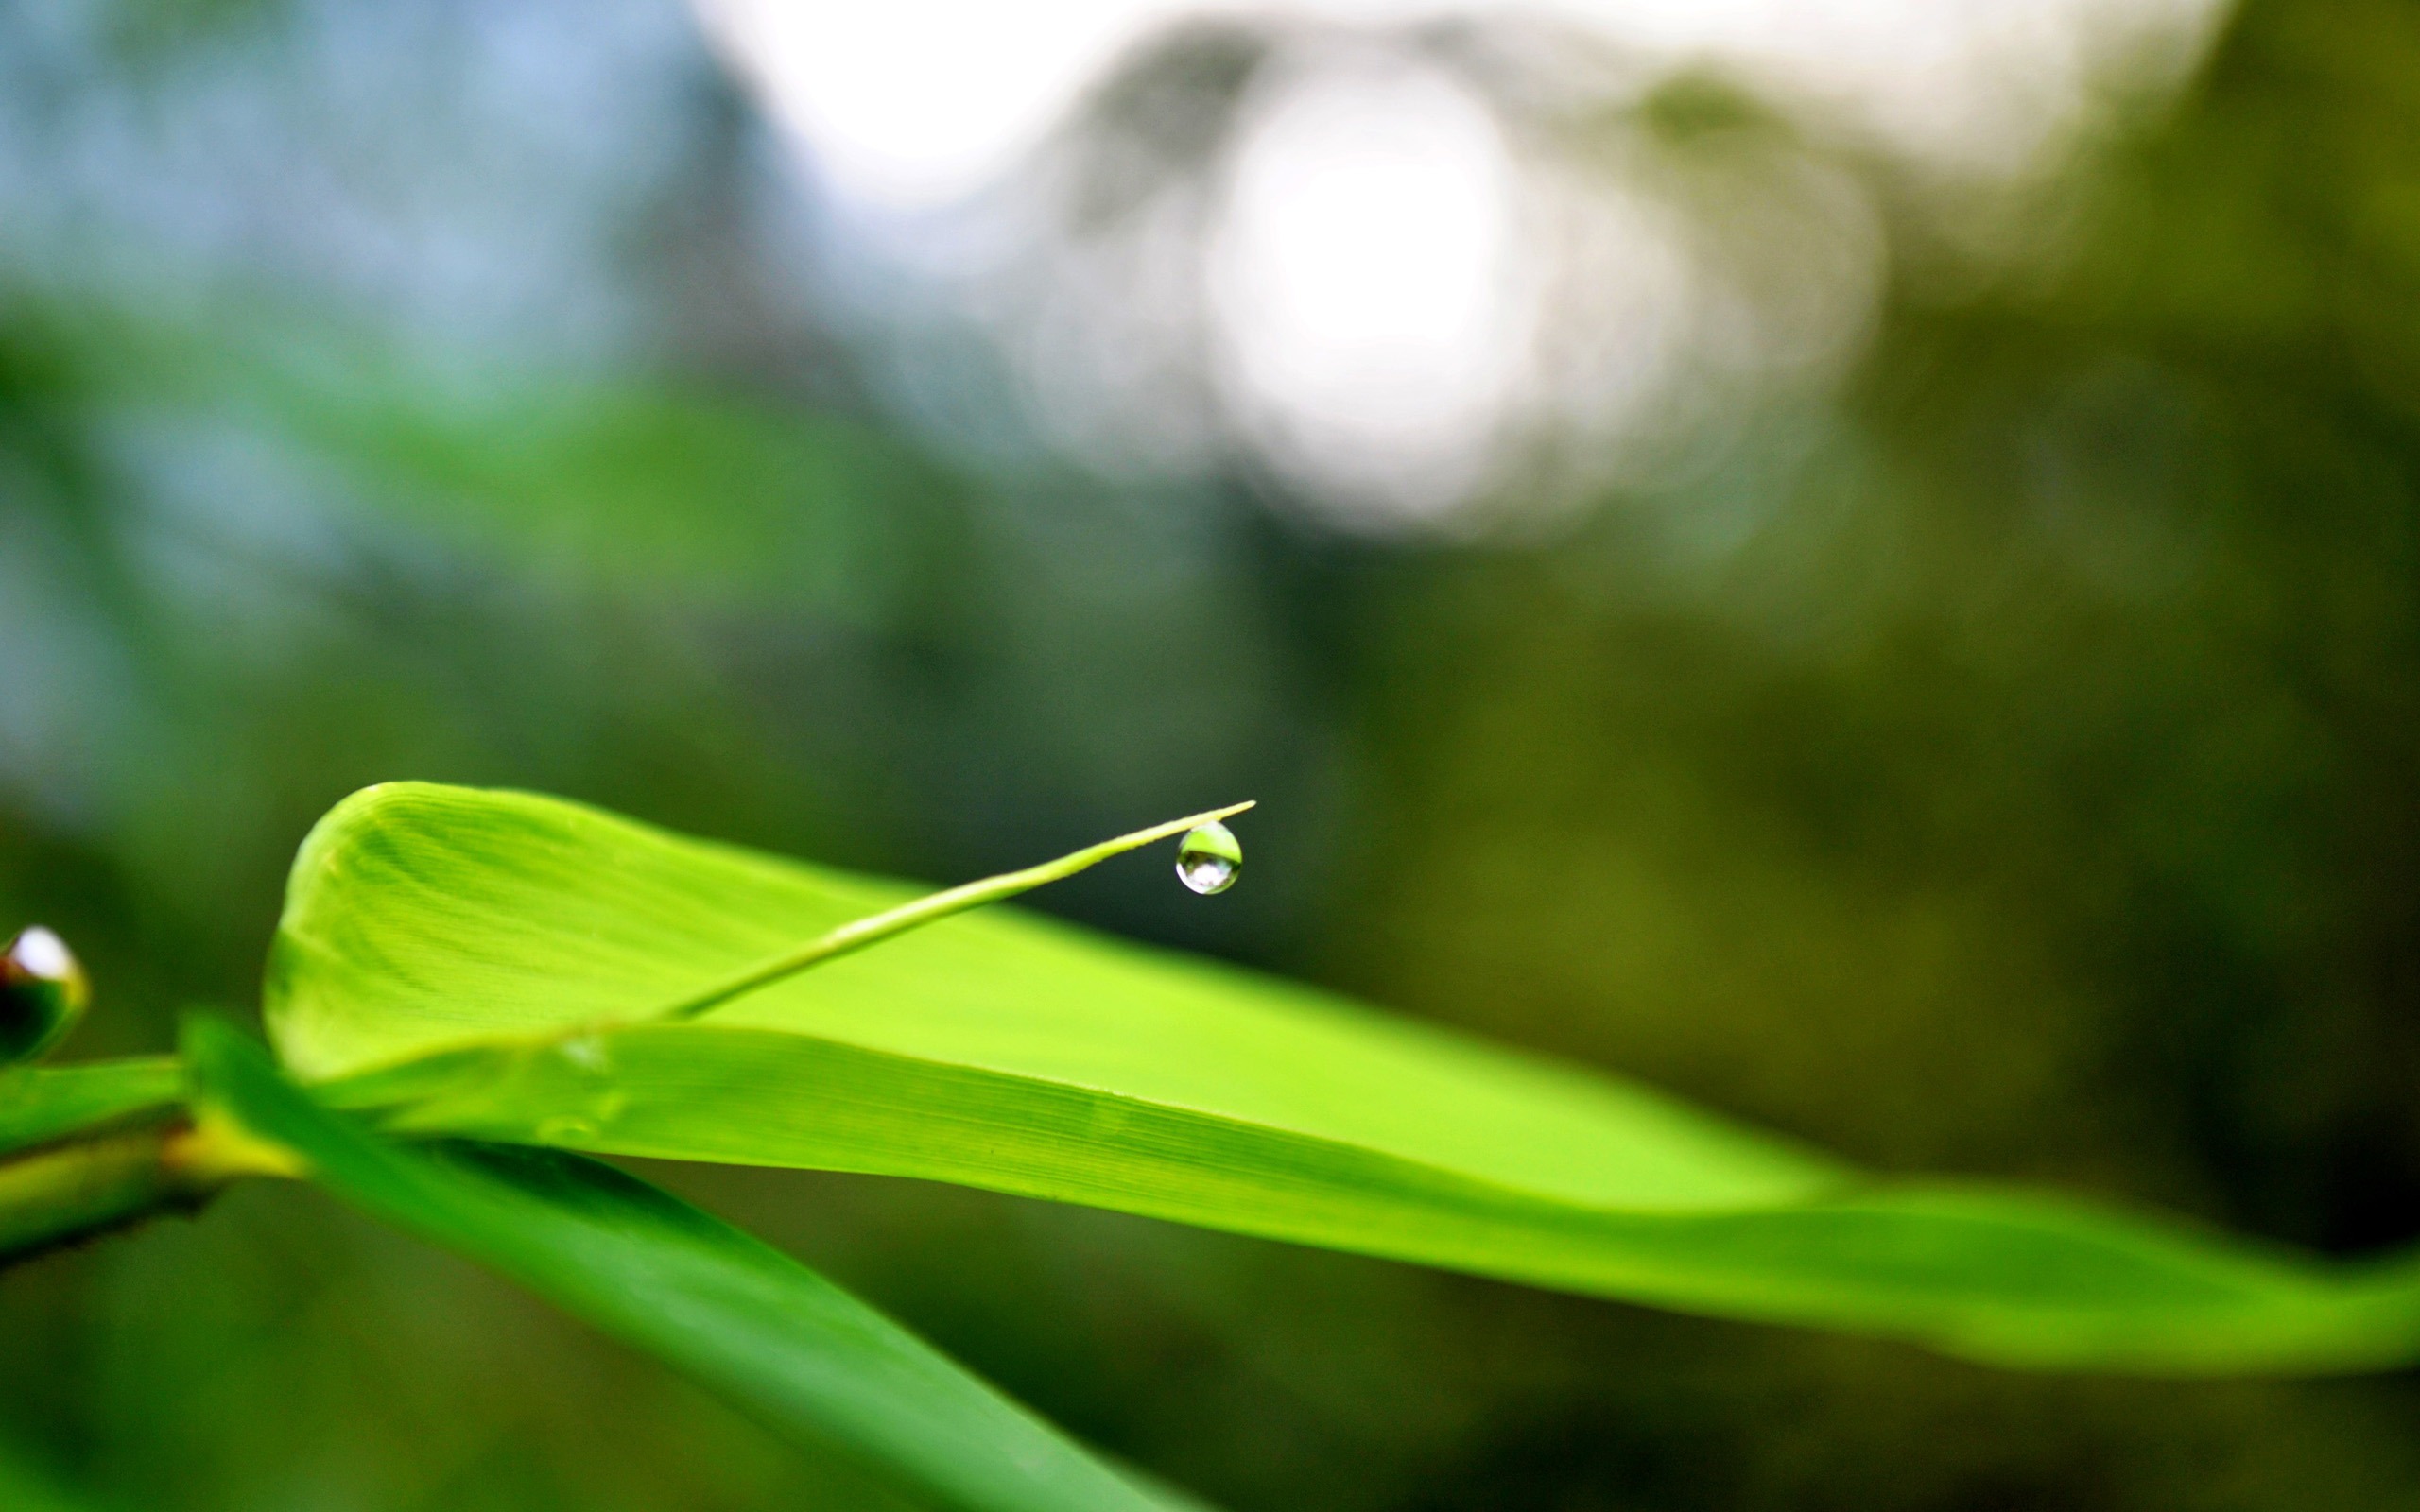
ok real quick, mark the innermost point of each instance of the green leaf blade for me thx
(39, 1104)
(441, 947)
(421, 917)
(764, 1330)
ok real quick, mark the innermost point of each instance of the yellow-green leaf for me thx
(460, 960)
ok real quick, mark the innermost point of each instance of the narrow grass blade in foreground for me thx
(769, 1334)
(443, 947)
(42, 1103)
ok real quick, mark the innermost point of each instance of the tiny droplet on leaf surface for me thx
(1208, 858)
(42, 992)
(565, 1129)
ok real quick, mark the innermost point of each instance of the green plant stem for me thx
(72, 1192)
(65, 1193)
(875, 928)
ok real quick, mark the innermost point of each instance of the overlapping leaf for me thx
(766, 1333)
(460, 960)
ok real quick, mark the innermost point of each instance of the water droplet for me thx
(1208, 858)
(42, 992)
(587, 1052)
(578, 1081)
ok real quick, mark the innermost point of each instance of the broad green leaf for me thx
(770, 1336)
(456, 959)
(42, 1103)
(420, 917)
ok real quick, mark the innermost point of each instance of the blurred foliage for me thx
(2003, 764)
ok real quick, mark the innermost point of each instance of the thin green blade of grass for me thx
(39, 1104)
(891, 922)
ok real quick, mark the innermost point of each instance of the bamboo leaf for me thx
(446, 957)
(773, 1336)
(39, 1104)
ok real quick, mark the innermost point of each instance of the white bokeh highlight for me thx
(1385, 289)
(916, 103)
(1368, 282)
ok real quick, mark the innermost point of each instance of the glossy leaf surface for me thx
(459, 959)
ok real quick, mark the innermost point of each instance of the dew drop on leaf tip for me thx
(42, 992)
(1208, 858)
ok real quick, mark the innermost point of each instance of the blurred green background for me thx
(2001, 757)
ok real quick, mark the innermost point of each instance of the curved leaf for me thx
(452, 957)
(775, 1338)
